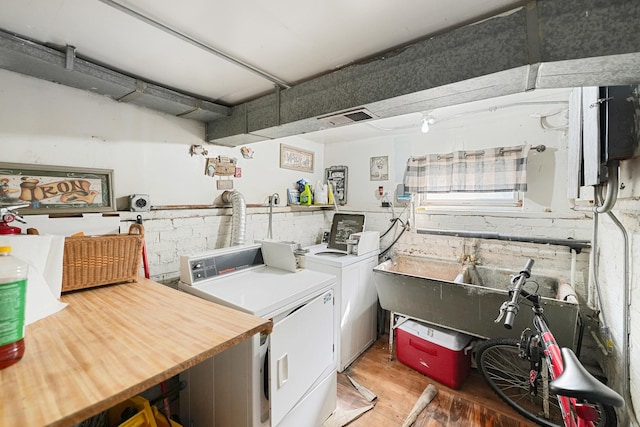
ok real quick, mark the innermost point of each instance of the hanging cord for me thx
(393, 223)
(405, 227)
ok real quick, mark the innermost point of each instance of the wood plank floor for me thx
(398, 387)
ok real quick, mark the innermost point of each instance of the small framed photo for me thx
(379, 168)
(56, 189)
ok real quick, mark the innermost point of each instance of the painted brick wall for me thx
(610, 267)
(171, 233)
(551, 260)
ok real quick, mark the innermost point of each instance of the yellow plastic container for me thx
(161, 420)
(143, 417)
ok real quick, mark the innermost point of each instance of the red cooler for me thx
(436, 352)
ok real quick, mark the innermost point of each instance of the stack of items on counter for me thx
(305, 194)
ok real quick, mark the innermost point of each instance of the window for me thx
(471, 200)
(491, 177)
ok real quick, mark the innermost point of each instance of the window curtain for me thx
(488, 170)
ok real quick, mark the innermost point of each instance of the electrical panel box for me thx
(618, 122)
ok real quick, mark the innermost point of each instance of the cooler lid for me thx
(447, 338)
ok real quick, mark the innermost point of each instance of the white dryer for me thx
(287, 378)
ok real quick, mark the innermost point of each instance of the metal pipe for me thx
(612, 189)
(278, 82)
(239, 217)
(594, 287)
(607, 205)
(612, 192)
(274, 199)
(576, 245)
(604, 329)
(626, 320)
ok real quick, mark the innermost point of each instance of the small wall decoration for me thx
(246, 152)
(337, 177)
(379, 168)
(296, 158)
(56, 189)
(220, 166)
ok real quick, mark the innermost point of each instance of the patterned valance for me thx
(487, 170)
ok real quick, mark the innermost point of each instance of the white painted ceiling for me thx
(291, 40)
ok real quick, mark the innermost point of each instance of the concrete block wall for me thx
(556, 226)
(172, 233)
(551, 260)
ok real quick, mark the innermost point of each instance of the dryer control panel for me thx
(199, 267)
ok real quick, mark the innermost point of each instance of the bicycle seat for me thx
(576, 381)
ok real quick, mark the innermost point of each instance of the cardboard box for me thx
(436, 352)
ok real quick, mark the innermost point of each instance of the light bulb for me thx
(425, 126)
(426, 122)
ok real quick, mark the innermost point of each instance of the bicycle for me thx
(526, 373)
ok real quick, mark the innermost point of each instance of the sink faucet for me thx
(468, 259)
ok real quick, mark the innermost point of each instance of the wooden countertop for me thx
(109, 344)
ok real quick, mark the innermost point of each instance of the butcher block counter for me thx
(111, 343)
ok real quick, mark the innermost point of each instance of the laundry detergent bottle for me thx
(13, 296)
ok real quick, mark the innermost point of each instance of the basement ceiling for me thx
(257, 70)
(291, 40)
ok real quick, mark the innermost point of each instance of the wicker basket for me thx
(90, 261)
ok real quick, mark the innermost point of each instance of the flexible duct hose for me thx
(239, 217)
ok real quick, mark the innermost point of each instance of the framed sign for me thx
(296, 159)
(337, 176)
(56, 189)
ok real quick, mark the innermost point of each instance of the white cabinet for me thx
(356, 295)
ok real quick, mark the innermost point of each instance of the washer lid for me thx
(263, 291)
(321, 254)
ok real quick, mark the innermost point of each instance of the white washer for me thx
(356, 296)
(287, 378)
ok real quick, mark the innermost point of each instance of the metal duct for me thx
(239, 216)
(542, 45)
(23, 56)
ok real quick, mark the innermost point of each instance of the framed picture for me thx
(56, 189)
(379, 168)
(296, 159)
(337, 177)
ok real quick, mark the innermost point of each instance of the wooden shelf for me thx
(306, 207)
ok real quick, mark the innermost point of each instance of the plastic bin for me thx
(146, 415)
(143, 417)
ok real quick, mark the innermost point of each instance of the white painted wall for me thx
(50, 124)
(514, 124)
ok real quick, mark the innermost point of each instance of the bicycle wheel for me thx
(501, 366)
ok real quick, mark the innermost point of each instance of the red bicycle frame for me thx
(583, 414)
